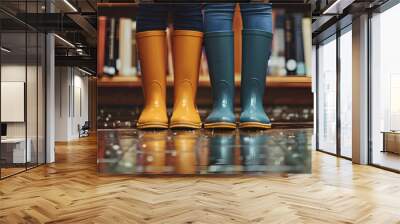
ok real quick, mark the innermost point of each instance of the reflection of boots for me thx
(154, 145)
(253, 151)
(256, 51)
(222, 153)
(153, 61)
(185, 145)
(220, 57)
(187, 54)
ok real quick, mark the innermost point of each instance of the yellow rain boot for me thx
(152, 48)
(186, 56)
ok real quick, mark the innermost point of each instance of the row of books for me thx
(291, 47)
(116, 46)
(291, 50)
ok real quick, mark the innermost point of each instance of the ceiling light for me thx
(65, 41)
(5, 50)
(70, 5)
(338, 6)
(84, 71)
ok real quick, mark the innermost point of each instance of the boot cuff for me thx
(257, 33)
(188, 33)
(219, 34)
(150, 33)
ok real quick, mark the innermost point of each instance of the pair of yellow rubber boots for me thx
(186, 50)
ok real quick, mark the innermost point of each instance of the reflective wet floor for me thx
(204, 152)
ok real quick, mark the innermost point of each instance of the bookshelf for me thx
(272, 81)
(287, 93)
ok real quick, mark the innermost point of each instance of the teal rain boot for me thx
(256, 52)
(220, 57)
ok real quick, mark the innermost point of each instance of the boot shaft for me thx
(152, 47)
(256, 52)
(220, 56)
(186, 49)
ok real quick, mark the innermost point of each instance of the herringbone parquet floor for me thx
(70, 191)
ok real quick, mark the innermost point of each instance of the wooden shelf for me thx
(272, 81)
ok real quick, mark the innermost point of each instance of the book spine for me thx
(125, 47)
(279, 44)
(307, 38)
(101, 44)
(109, 67)
(134, 50)
(290, 51)
(299, 46)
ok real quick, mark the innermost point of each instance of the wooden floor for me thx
(70, 191)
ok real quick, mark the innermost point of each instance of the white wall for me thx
(62, 82)
(71, 94)
(81, 107)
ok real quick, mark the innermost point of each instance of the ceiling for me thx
(72, 20)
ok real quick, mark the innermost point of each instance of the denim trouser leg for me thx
(188, 16)
(152, 17)
(219, 17)
(155, 17)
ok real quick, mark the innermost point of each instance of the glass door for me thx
(22, 77)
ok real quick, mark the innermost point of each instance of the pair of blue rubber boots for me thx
(220, 55)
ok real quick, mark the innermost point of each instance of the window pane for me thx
(327, 97)
(386, 89)
(346, 94)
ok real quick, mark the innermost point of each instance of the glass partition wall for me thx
(327, 95)
(345, 91)
(385, 88)
(22, 76)
(334, 94)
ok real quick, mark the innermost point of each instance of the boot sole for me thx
(152, 125)
(222, 125)
(255, 125)
(185, 125)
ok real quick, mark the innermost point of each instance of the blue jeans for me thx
(155, 17)
(255, 16)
